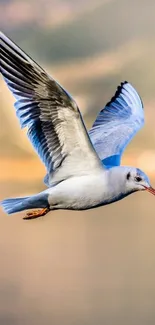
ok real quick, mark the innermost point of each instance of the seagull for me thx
(83, 167)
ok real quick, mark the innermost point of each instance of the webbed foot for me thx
(36, 214)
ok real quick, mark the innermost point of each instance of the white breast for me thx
(80, 192)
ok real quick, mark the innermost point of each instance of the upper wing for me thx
(55, 125)
(116, 124)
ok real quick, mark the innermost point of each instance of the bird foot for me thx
(36, 214)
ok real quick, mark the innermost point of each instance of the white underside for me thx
(81, 192)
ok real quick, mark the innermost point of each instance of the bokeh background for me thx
(98, 266)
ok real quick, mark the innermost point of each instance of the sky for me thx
(96, 266)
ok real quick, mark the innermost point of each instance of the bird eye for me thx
(138, 179)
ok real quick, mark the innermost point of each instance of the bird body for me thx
(83, 168)
(85, 192)
(89, 191)
(78, 192)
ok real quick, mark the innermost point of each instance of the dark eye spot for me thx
(138, 179)
(128, 176)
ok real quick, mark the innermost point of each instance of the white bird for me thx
(83, 168)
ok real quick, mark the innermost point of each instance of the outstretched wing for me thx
(55, 125)
(116, 124)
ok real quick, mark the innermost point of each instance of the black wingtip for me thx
(124, 82)
(117, 93)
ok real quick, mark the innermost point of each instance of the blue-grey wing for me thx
(117, 123)
(55, 126)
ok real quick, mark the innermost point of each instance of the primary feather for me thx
(116, 124)
(55, 125)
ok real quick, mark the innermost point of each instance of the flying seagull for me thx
(83, 168)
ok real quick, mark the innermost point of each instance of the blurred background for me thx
(98, 266)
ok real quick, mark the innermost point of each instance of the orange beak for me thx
(150, 189)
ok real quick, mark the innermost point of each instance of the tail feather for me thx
(24, 203)
(14, 205)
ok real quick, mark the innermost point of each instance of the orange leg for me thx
(36, 214)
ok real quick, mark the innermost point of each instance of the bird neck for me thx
(117, 183)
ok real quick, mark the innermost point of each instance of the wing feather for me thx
(116, 124)
(55, 125)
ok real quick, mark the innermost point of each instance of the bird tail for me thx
(24, 203)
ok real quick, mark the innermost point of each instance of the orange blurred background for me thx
(98, 266)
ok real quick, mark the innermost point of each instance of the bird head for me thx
(137, 180)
